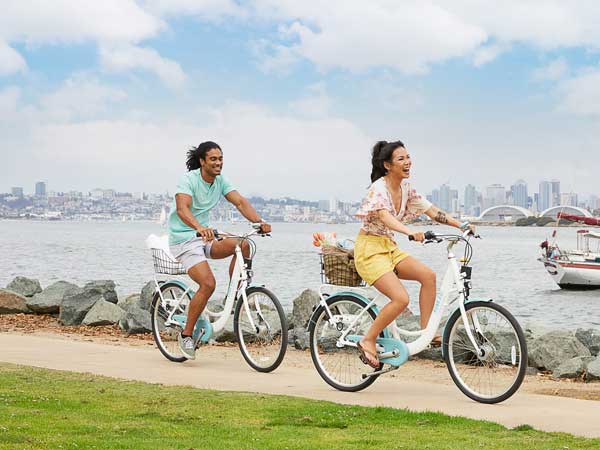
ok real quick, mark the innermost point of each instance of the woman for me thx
(390, 200)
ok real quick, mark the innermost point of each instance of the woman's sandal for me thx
(436, 342)
(365, 359)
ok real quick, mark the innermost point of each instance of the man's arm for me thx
(247, 210)
(183, 203)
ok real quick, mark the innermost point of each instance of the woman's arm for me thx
(440, 216)
(394, 224)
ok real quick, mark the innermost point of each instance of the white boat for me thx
(574, 269)
(162, 219)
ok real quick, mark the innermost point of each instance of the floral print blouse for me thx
(379, 197)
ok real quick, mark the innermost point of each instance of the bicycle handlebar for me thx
(430, 236)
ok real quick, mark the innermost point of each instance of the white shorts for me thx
(191, 252)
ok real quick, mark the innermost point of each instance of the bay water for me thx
(505, 265)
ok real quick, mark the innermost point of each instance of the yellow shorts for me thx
(374, 256)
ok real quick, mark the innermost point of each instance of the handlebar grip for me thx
(215, 233)
(430, 235)
(411, 237)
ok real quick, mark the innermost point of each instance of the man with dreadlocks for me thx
(198, 191)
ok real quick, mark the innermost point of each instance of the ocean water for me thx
(504, 263)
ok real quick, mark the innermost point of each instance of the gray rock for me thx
(572, 368)
(534, 330)
(226, 334)
(551, 349)
(106, 288)
(593, 370)
(147, 294)
(433, 353)
(300, 338)
(136, 320)
(76, 305)
(49, 300)
(590, 338)
(12, 302)
(27, 287)
(103, 313)
(303, 307)
(132, 301)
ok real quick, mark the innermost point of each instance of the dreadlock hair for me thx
(195, 153)
(382, 151)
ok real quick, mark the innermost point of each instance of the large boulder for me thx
(573, 368)
(551, 349)
(106, 288)
(593, 370)
(12, 303)
(49, 300)
(590, 338)
(303, 307)
(136, 320)
(147, 294)
(226, 334)
(132, 301)
(103, 313)
(27, 287)
(75, 306)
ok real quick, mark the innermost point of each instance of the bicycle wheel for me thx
(340, 367)
(497, 374)
(165, 335)
(263, 346)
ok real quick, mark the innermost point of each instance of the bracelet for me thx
(464, 225)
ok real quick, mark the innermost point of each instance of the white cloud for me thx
(581, 94)
(80, 97)
(316, 104)
(10, 60)
(488, 53)
(127, 57)
(65, 21)
(553, 71)
(9, 98)
(207, 9)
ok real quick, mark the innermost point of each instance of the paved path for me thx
(224, 369)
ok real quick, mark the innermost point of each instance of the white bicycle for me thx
(483, 345)
(259, 321)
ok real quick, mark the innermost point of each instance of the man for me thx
(198, 191)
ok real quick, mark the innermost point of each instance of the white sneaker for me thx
(187, 346)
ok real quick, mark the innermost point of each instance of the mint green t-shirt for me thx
(205, 196)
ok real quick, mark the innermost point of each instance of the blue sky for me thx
(111, 94)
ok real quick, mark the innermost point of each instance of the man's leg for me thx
(202, 275)
(225, 248)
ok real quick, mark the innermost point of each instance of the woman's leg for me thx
(390, 286)
(412, 269)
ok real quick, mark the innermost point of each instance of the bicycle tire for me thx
(351, 357)
(265, 349)
(496, 343)
(157, 317)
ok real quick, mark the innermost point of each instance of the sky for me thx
(112, 94)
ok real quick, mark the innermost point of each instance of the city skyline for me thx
(452, 200)
(297, 93)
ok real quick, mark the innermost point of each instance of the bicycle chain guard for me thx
(389, 345)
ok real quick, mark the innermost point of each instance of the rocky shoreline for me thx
(562, 353)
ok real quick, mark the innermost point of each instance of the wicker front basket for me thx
(338, 265)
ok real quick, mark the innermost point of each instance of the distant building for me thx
(17, 192)
(545, 196)
(445, 194)
(40, 189)
(495, 195)
(568, 199)
(555, 192)
(471, 200)
(324, 205)
(519, 194)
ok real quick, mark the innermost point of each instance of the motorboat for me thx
(575, 268)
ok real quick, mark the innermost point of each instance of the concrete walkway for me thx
(224, 369)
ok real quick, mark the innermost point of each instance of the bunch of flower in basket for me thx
(338, 259)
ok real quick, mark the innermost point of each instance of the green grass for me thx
(61, 410)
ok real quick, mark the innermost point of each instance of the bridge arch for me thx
(554, 210)
(504, 213)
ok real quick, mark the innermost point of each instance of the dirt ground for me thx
(416, 369)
